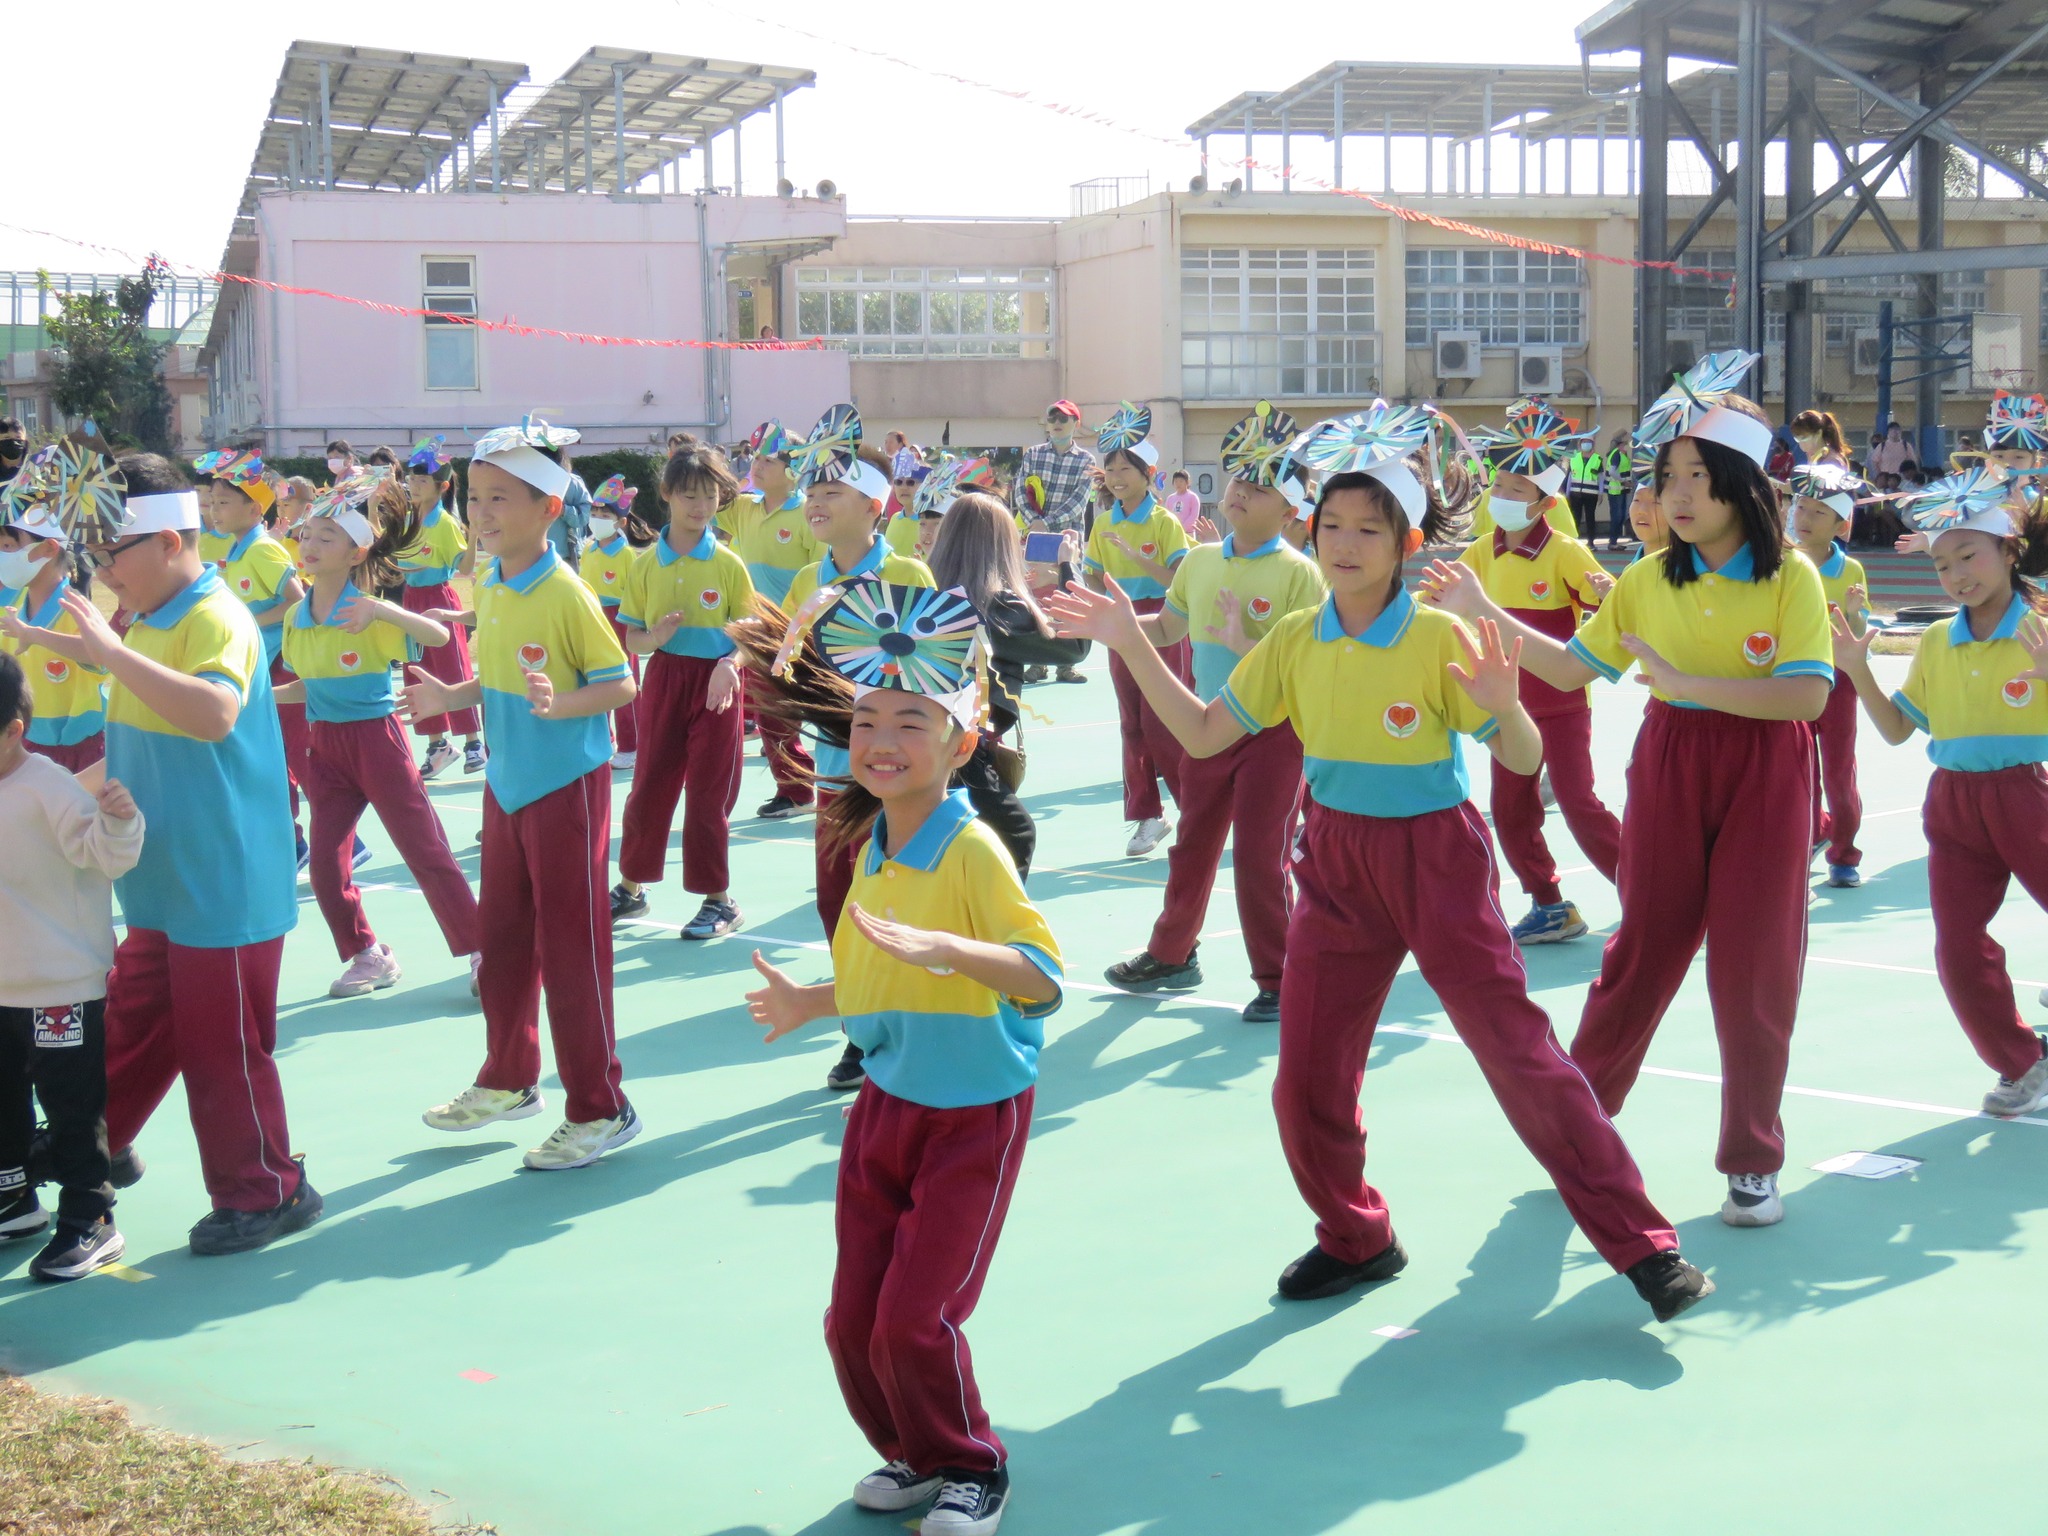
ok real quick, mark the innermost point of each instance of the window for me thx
(1277, 323)
(1511, 298)
(922, 312)
(1699, 305)
(450, 289)
(1960, 293)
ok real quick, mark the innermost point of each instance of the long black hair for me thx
(1736, 480)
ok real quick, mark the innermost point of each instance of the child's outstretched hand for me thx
(2034, 636)
(1854, 598)
(1493, 671)
(1205, 531)
(1600, 584)
(115, 801)
(1104, 616)
(540, 692)
(1653, 671)
(1453, 588)
(913, 946)
(665, 628)
(780, 1005)
(1852, 651)
(422, 698)
(724, 687)
(1911, 543)
(1230, 632)
(361, 611)
(450, 616)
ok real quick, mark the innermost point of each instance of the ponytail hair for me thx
(395, 519)
(639, 534)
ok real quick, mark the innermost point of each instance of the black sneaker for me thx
(23, 1216)
(1263, 1009)
(627, 903)
(1069, 675)
(243, 1231)
(1034, 674)
(1146, 974)
(781, 808)
(847, 1072)
(1315, 1274)
(894, 1488)
(74, 1252)
(969, 1503)
(1668, 1283)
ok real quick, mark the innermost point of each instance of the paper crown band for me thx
(355, 525)
(1732, 429)
(868, 480)
(165, 511)
(530, 465)
(1397, 477)
(1549, 481)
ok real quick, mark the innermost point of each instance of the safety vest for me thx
(1618, 462)
(1585, 472)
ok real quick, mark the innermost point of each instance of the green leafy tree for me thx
(108, 366)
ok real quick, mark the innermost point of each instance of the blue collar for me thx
(47, 618)
(169, 614)
(1146, 508)
(665, 552)
(434, 515)
(304, 619)
(1382, 633)
(793, 504)
(527, 579)
(1837, 558)
(1271, 546)
(867, 565)
(1741, 565)
(929, 844)
(241, 546)
(2009, 626)
(616, 543)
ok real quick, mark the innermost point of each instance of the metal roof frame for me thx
(1414, 100)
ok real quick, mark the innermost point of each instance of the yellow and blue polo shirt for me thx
(831, 759)
(431, 559)
(347, 677)
(1980, 714)
(901, 534)
(218, 867)
(1378, 712)
(70, 696)
(1151, 530)
(1541, 581)
(1269, 583)
(214, 547)
(1838, 573)
(1725, 623)
(939, 1038)
(546, 620)
(254, 568)
(605, 565)
(775, 545)
(707, 584)
(1557, 513)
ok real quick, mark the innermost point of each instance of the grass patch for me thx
(77, 1466)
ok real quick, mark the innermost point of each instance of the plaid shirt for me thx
(1064, 474)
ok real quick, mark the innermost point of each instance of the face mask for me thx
(18, 567)
(1808, 445)
(1509, 515)
(602, 528)
(336, 466)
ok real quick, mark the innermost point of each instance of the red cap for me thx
(1066, 408)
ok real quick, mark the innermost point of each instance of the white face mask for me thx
(19, 567)
(1510, 515)
(336, 466)
(602, 528)
(1808, 445)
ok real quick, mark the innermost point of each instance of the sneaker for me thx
(1545, 793)
(847, 1072)
(1147, 835)
(1034, 674)
(895, 1488)
(713, 919)
(360, 856)
(2014, 1095)
(372, 971)
(1263, 1009)
(23, 1216)
(305, 853)
(1668, 1283)
(579, 1143)
(627, 903)
(474, 756)
(227, 1231)
(125, 1168)
(969, 1504)
(439, 759)
(1753, 1201)
(476, 975)
(1844, 876)
(1070, 675)
(1551, 924)
(781, 808)
(1315, 1274)
(2044, 997)
(624, 760)
(478, 1106)
(1146, 974)
(73, 1252)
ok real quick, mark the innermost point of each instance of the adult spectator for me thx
(341, 460)
(566, 532)
(13, 447)
(1614, 481)
(1056, 476)
(1890, 453)
(1183, 503)
(1820, 439)
(1582, 490)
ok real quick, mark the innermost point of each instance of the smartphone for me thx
(1042, 548)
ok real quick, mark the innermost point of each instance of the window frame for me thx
(887, 313)
(1469, 288)
(430, 293)
(1279, 322)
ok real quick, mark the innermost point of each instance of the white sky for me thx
(143, 142)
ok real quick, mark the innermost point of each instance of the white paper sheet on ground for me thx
(1392, 1332)
(1867, 1165)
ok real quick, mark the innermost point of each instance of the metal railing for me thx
(1107, 192)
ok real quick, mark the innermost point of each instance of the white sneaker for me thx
(1147, 835)
(439, 759)
(894, 1488)
(476, 971)
(1753, 1201)
(579, 1143)
(372, 971)
(2044, 997)
(2021, 1095)
(477, 1106)
(625, 759)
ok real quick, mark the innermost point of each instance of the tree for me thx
(108, 367)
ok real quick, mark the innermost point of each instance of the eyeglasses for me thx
(100, 559)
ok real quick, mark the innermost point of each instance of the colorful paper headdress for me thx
(1129, 428)
(74, 490)
(346, 502)
(1536, 442)
(1692, 407)
(1376, 441)
(2017, 421)
(907, 465)
(832, 453)
(772, 439)
(1829, 483)
(615, 493)
(1259, 449)
(910, 639)
(429, 455)
(28, 502)
(1972, 502)
(516, 450)
(243, 469)
(952, 478)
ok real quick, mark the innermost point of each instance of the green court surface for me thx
(636, 1346)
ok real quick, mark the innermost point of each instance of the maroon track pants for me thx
(75, 758)
(448, 663)
(834, 868)
(626, 718)
(692, 754)
(1836, 731)
(788, 763)
(1518, 808)
(1150, 751)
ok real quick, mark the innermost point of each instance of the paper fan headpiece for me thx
(429, 455)
(1376, 441)
(615, 493)
(517, 451)
(1692, 407)
(1829, 483)
(910, 639)
(1129, 428)
(952, 477)
(907, 465)
(1259, 449)
(2017, 421)
(1972, 502)
(84, 486)
(243, 469)
(772, 439)
(28, 502)
(346, 503)
(1536, 443)
(832, 453)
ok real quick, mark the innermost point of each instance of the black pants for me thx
(1585, 507)
(997, 804)
(57, 1055)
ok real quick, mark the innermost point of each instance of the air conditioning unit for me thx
(1539, 371)
(1865, 351)
(1774, 370)
(1457, 355)
(1682, 349)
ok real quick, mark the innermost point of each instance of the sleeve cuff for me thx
(1175, 558)
(1238, 712)
(604, 675)
(630, 621)
(233, 685)
(1091, 564)
(1054, 973)
(1577, 647)
(1487, 732)
(1805, 669)
(1912, 712)
(1176, 607)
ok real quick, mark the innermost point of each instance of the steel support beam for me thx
(1993, 258)
(619, 127)
(1930, 197)
(1799, 147)
(1749, 176)
(1652, 222)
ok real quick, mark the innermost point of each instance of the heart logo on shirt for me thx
(1147, 549)
(709, 598)
(784, 535)
(246, 584)
(350, 659)
(1539, 589)
(56, 670)
(1260, 607)
(534, 656)
(611, 578)
(2019, 692)
(1401, 720)
(1760, 649)
(220, 565)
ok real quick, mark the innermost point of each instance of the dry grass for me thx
(74, 1466)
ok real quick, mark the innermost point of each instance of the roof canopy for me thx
(1893, 40)
(1451, 100)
